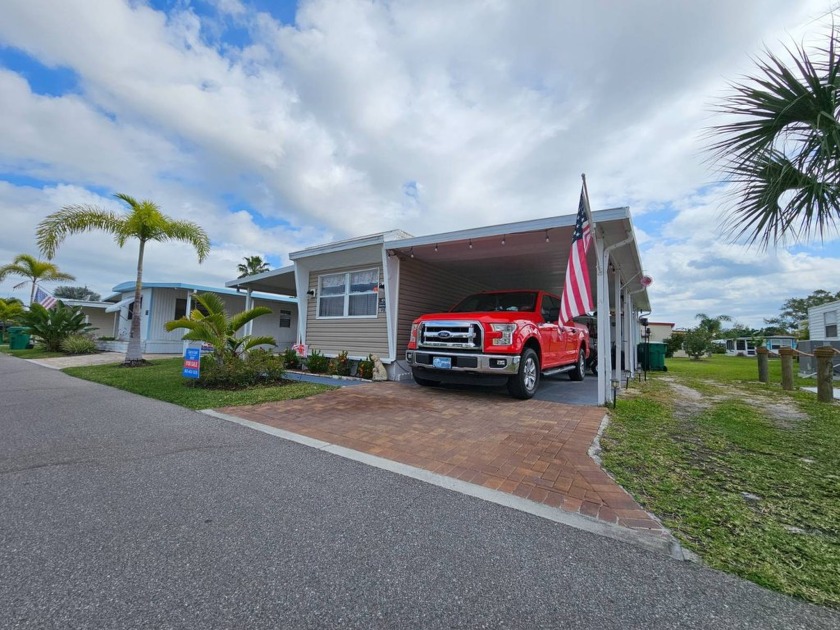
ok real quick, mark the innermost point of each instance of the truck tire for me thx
(524, 383)
(579, 371)
(424, 382)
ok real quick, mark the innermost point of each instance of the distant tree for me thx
(698, 342)
(252, 266)
(34, 271)
(737, 330)
(782, 149)
(144, 222)
(76, 293)
(712, 325)
(674, 343)
(794, 312)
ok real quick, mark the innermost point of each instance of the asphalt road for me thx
(121, 512)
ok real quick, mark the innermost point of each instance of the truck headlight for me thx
(506, 336)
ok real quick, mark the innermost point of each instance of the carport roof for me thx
(525, 254)
(528, 254)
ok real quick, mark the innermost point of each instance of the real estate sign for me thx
(192, 362)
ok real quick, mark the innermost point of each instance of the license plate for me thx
(443, 363)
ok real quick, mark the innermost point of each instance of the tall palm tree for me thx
(144, 222)
(252, 266)
(782, 148)
(712, 325)
(34, 270)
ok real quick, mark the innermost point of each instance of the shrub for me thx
(365, 369)
(341, 364)
(258, 367)
(291, 359)
(317, 363)
(78, 344)
(52, 326)
(697, 342)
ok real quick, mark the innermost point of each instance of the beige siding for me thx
(359, 337)
(102, 322)
(426, 288)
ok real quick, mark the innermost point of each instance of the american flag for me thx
(577, 294)
(47, 300)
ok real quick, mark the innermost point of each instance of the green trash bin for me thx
(656, 359)
(18, 338)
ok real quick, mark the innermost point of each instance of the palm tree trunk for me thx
(32, 293)
(134, 354)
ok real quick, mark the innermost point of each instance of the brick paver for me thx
(533, 449)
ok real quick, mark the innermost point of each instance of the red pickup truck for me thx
(497, 338)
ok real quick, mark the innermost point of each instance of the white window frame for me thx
(830, 319)
(347, 295)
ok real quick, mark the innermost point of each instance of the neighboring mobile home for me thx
(165, 301)
(361, 295)
(823, 321)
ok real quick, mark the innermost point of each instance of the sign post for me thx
(192, 363)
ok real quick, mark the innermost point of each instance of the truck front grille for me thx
(460, 335)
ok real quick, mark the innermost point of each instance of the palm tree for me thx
(712, 325)
(144, 221)
(782, 150)
(252, 266)
(35, 270)
(218, 329)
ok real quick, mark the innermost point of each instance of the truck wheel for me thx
(424, 382)
(523, 384)
(579, 371)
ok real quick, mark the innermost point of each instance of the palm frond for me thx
(74, 219)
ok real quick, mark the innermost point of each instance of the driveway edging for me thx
(667, 545)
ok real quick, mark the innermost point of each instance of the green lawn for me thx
(745, 475)
(162, 380)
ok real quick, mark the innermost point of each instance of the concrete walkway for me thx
(100, 358)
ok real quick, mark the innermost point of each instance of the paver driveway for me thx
(533, 449)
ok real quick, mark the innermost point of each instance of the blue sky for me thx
(279, 125)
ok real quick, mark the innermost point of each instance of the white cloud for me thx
(365, 116)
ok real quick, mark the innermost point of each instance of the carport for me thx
(431, 273)
(529, 255)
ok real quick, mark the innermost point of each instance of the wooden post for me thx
(787, 368)
(825, 388)
(763, 371)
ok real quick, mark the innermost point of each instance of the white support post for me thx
(186, 344)
(249, 304)
(603, 308)
(629, 356)
(302, 286)
(618, 323)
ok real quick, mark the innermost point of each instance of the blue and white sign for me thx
(192, 363)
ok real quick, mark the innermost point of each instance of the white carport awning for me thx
(280, 281)
(115, 307)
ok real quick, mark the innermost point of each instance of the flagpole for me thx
(586, 204)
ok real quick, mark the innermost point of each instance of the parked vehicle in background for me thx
(497, 338)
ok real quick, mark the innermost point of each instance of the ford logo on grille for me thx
(444, 334)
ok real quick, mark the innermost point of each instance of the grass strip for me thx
(743, 474)
(162, 380)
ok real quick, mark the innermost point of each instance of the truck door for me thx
(551, 332)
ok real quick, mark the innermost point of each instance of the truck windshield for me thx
(524, 301)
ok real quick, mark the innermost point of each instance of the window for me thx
(285, 319)
(830, 324)
(351, 294)
(131, 308)
(181, 307)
